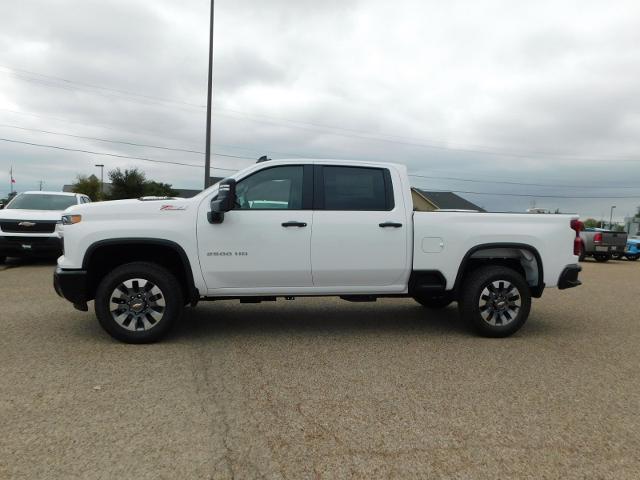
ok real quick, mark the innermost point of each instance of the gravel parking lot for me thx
(321, 388)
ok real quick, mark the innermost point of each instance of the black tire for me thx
(2, 259)
(499, 321)
(141, 326)
(602, 257)
(632, 258)
(616, 256)
(437, 302)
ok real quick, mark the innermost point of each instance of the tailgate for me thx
(615, 239)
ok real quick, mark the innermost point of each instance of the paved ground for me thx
(323, 389)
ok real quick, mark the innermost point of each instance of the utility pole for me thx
(101, 179)
(611, 217)
(207, 155)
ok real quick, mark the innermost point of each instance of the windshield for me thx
(41, 201)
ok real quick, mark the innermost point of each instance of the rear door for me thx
(359, 229)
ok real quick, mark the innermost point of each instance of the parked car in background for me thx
(632, 251)
(30, 223)
(602, 244)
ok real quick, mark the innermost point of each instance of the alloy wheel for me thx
(137, 304)
(499, 303)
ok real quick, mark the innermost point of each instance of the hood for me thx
(19, 214)
(129, 207)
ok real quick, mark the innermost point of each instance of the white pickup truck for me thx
(30, 223)
(291, 228)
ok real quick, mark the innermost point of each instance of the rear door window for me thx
(355, 188)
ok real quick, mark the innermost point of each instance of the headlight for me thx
(71, 219)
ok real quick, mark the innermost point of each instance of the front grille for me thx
(28, 240)
(27, 226)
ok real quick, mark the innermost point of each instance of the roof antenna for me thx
(263, 158)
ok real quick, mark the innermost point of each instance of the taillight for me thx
(577, 246)
(597, 238)
(577, 226)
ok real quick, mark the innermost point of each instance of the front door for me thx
(265, 241)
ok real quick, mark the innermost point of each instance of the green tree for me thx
(159, 189)
(127, 183)
(90, 186)
(591, 223)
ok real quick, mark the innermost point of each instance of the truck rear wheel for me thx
(495, 301)
(138, 302)
(441, 301)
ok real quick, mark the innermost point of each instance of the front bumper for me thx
(569, 277)
(20, 246)
(72, 285)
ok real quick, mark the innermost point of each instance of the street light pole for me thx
(101, 179)
(611, 217)
(207, 155)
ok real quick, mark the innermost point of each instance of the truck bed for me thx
(442, 239)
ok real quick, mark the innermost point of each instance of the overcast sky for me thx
(474, 93)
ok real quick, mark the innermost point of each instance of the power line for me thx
(246, 158)
(497, 153)
(98, 87)
(124, 156)
(105, 94)
(352, 133)
(121, 142)
(143, 133)
(249, 158)
(504, 182)
(536, 196)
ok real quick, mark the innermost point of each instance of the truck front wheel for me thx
(495, 301)
(138, 302)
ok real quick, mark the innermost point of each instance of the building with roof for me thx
(426, 201)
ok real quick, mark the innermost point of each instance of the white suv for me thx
(30, 223)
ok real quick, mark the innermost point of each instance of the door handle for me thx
(390, 224)
(294, 224)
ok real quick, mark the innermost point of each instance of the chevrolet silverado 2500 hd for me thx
(30, 223)
(292, 228)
